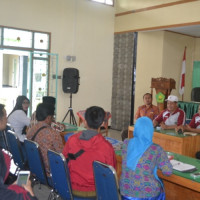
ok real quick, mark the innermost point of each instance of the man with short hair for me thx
(3, 123)
(12, 191)
(47, 138)
(83, 148)
(148, 109)
(45, 99)
(171, 117)
(3, 117)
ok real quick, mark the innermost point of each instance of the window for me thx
(41, 41)
(24, 39)
(17, 38)
(108, 2)
(25, 63)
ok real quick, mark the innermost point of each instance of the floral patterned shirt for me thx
(47, 138)
(141, 183)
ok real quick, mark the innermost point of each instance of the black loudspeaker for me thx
(70, 81)
(195, 94)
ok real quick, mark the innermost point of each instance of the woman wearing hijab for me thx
(14, 192)
(18, 117)
(141, 158)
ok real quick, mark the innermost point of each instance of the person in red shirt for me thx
(172, 117)
(83, 148)
(148, 109)
(194, 125)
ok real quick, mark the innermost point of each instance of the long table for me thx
(171, 141)
(70, 128)
(178, 186)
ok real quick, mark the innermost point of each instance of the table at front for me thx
(69, 128)
(178, 186)
(169, 140)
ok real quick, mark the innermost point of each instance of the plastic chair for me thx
(15, 149)
(106, 181)
(3, 138)
(35, 162)
(60, 176)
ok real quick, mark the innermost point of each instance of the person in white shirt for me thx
(18, 119)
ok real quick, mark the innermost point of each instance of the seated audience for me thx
(172, 117)
(47, 138)
(87, 146)
(18, 117)
(3, 118)
(148, 109)
(55, 125)
(12, 191)
(45, 99)
(194, 125)
(140, 160)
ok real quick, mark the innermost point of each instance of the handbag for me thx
(24, 130)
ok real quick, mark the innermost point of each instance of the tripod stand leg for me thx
(65, 116)
(72, 118)
(70, 111)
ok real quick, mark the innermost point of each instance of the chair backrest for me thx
(60, 174)
(3, 138)
(195, 94)
(35, 161)
(15, 149)
(106, 181)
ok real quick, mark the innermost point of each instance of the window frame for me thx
(96, 1)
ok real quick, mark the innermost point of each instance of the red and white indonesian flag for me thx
(182, 78)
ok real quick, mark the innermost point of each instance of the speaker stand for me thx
(72, 119)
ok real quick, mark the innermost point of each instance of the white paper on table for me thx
(180, 166)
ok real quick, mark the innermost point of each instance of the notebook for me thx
(182, 167)
(189, 133)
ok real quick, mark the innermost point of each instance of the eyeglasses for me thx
(26, 102)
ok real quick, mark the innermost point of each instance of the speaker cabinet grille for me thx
(195, 94)
(70, 81)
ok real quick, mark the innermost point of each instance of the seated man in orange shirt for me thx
(148, 109)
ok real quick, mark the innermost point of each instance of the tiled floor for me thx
(43, 192)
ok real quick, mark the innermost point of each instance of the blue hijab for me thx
(142, 140)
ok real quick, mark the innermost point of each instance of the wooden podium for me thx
(163, 85)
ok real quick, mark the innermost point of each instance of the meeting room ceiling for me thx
(187, 30)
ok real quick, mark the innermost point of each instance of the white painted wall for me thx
(78, 27)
